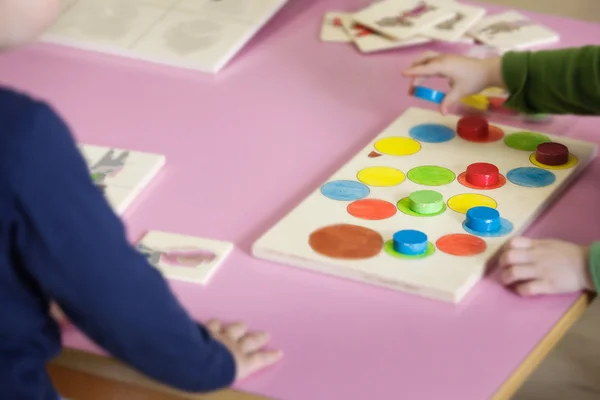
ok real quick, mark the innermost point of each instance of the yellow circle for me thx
(397, 146)
(380, 176)
(570, 163)
(461, 203)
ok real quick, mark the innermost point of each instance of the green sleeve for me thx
(565, 81)
(594, 265)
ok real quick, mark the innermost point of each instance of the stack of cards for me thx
(392, 24)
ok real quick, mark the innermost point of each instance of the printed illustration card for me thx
(455, 28)
(184, 258)
(333, 30)
(202, 35)
(368, 41)
(403, 19)
(512, 31)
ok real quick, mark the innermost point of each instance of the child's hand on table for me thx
(467, 76)
(545, 266)
(246, 347)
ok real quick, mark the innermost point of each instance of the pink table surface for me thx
(247, 145)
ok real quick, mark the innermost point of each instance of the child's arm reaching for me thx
(75, 249)
(565, 81)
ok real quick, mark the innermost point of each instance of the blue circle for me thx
(483, 219)
(506, 227)
(410, 242)
(428, 94)
(432, 133)
(345, 190)
(531, 177)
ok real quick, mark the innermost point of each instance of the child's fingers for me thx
(449, 100)
(430, 69)
(516, 257)
(214, 326)
(425, 58)
(533, 288)
(236, 331)
(520, 243)
(263, 359)
(254, 341)
(519, 273)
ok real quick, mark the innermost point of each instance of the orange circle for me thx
(494, 134)
(461, 244)
(371, 209)
(462, 179)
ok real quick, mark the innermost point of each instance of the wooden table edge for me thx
(531, 362)
(112, 370)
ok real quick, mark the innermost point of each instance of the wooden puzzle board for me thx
(202, 35)
(439, 276)
(121, 174)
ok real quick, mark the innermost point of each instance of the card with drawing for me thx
(332, 29)
(368, 41)
(184, 258)
(512, 31)
(455, 28)
(403, 19)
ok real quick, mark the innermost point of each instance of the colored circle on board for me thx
(432, 133)
(430, 175)
(372, 209)
(526, 141)
(346, 241)
(389, 249)
(531, 177)
(461, 203)
(381, 176)
(505, 228)
(461, 244)
(397, 146)
(573, 161)
(345, 190)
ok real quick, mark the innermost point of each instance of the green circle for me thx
(527, 141)
(430, 175)
(404, 206)
(389, 248)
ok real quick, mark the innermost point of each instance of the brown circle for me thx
(346, 241)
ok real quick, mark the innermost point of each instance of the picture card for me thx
(403, 19)
(455, 28)
(184, 258)
(203, 35)
(121, 175)
(369, 41)
(333, 30)
(512, 31)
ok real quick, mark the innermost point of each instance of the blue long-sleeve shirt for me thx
(60, 240)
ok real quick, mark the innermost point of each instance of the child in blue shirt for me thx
(61, 241)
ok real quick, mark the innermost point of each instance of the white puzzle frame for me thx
(202, 35)
(441, 276)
